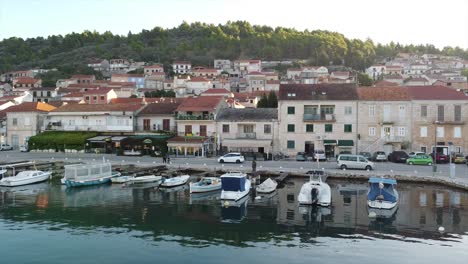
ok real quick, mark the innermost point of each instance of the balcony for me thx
(195, 117)
(393, 139)
(319, 118)
(251, 135)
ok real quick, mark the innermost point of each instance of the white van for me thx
(319, 154)
(346, 161)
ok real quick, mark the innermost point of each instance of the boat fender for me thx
(381, 185)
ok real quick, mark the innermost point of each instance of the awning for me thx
(345, 143)
(246, 143)
(99, 139)
(329, 141)
(116, 139)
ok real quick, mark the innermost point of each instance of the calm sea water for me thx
(47, 223)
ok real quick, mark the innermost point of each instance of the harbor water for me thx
(48, 223)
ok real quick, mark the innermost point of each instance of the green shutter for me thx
(345, 143)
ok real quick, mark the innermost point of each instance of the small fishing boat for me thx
(78, 175)
(122, 179)
(268, 186)
(25, 177)
(175, 181)
(206, 184)
(315, 192)
(234, 186)
(382, 193)
(146, 179)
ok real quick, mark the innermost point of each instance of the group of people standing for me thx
(166, 158)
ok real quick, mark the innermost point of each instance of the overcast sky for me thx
(441, 23)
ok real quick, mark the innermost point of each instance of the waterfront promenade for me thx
(401, 171)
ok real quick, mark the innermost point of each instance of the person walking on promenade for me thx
(164, 157)
(254, 165)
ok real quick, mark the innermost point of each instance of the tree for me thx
(364, 79)
(263, 102)
(465, 73)
(272, 100)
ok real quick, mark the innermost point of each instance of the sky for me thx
(441, 23)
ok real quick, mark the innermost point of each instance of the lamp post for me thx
(434, 155)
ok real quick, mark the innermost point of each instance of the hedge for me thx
(60, 140)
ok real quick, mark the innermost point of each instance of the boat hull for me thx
(236, 195)
(122, 179)
(146, 179)
(70, 183)
(174, 182)
(264, 191)
(323, 199)
(377, 204)
(12, 182)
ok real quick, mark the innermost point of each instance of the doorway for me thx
(309, 147)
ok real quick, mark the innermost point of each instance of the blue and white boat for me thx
(382, 193)
(234, 186)
(234, 213)
(78, 175)
(206, 184)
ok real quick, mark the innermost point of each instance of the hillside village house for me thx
(375, 71)
(440, 118)
(94, 117)
(138, 79)
(182, 67)
(256, 81)
(197, 85)
(248, 66)
(151, 69)
(24, 121)
(222, 64)
(158, 116)
(99, 96)
(26, 82)
(248, 130)
(99, 65)
(384, 119)
(196, 126)
(317, 117)
(208, 73)
(10, 76)
(155, 81)
(43, 94)
(83, 79)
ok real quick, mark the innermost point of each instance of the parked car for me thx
(5, 147)
(23, 148)
(379, 156)
(319, 154)
(419, 160)
(398, 156)
(458, 158)
(301, 156)
(231, 157)
(415, 153)
(440, 158)
(346, 161)
(367, 155)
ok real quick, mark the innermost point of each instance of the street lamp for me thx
(434, 156)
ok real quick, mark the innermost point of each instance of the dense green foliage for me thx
(364, 79)
(270, 101)
(201, 43)
(160, 93)
(50, 78)
(59, 140)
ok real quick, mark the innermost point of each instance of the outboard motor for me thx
(314, 196)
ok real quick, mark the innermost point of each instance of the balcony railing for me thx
(195, 117)
(393, 138)
(251, 135)
(321, 117)
(155, 128)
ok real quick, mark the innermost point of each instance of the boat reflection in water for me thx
(234, 212)
(205, 197)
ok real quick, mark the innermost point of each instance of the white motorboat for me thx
(382, 193)
(146, 179)
(25, 177)
(234, 186)
(2, 172)
(122, 179)
(206, 184)
(234, 212)
(175, 181)
(268, 186)
(315, 192)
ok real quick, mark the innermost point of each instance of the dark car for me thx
(398, 156)
(440, 158)
(301, 156)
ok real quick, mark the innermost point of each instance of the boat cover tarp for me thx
(268, 184)
(382, 180)
(233, 184)
(387, 192)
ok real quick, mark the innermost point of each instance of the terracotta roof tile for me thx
(82, 76)
(198, 79)
(26, 80)
(217, 91)
(98, 107)
(201, 103)
(435, 93)
(161, 108)
(98, 91)
(318, 92)
(31, 107)
(385, 83)
(383, 93)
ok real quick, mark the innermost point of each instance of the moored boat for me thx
(267, 186)
(122, 179)
(382, 193)
(315, 192)
(146, 179)
(78, 175)
(206, 184)
(25, 177)
(175, 181)
(234, 186)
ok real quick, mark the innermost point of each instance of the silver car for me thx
(346, 161)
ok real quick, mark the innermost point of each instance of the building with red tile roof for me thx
(99, 96)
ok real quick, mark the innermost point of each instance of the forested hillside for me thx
(201, 43)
